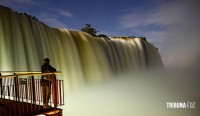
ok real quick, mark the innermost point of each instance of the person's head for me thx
(46, 60)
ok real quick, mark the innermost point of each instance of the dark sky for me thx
(107, 16)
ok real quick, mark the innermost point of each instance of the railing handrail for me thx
(28, 97)
(28, 74)
(20, 71)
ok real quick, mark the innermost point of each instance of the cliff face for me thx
(25, 42)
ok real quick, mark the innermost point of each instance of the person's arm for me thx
(43, 68)
(52, 69)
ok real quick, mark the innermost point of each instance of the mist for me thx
(146, 93)
(180, 48)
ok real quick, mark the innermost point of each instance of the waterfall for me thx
(82, 58)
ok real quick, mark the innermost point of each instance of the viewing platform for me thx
(21, 94)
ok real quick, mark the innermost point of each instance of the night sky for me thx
(171, 25)
(112, 17)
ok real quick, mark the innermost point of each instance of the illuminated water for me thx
(24, 42)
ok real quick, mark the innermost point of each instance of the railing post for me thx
(1, 86)
(33, 89)
(63, 92)
(54, 88)
(9, 98)
(16, 87)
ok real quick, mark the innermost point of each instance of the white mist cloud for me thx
(136, 20)
(51, 19)
(66, 13)
(182, 39)
(50, 16)
(143, 94)
(177, 34)
(54, 22)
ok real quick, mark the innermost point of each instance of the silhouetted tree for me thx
(102, 35)
(144, 38)
(89, 29)
(132, 36)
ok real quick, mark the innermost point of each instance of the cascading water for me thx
(82, 58)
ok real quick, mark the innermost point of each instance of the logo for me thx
(181, 105)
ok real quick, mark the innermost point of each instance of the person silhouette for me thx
(46, 81)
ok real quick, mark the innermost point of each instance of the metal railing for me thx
(21, 93)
